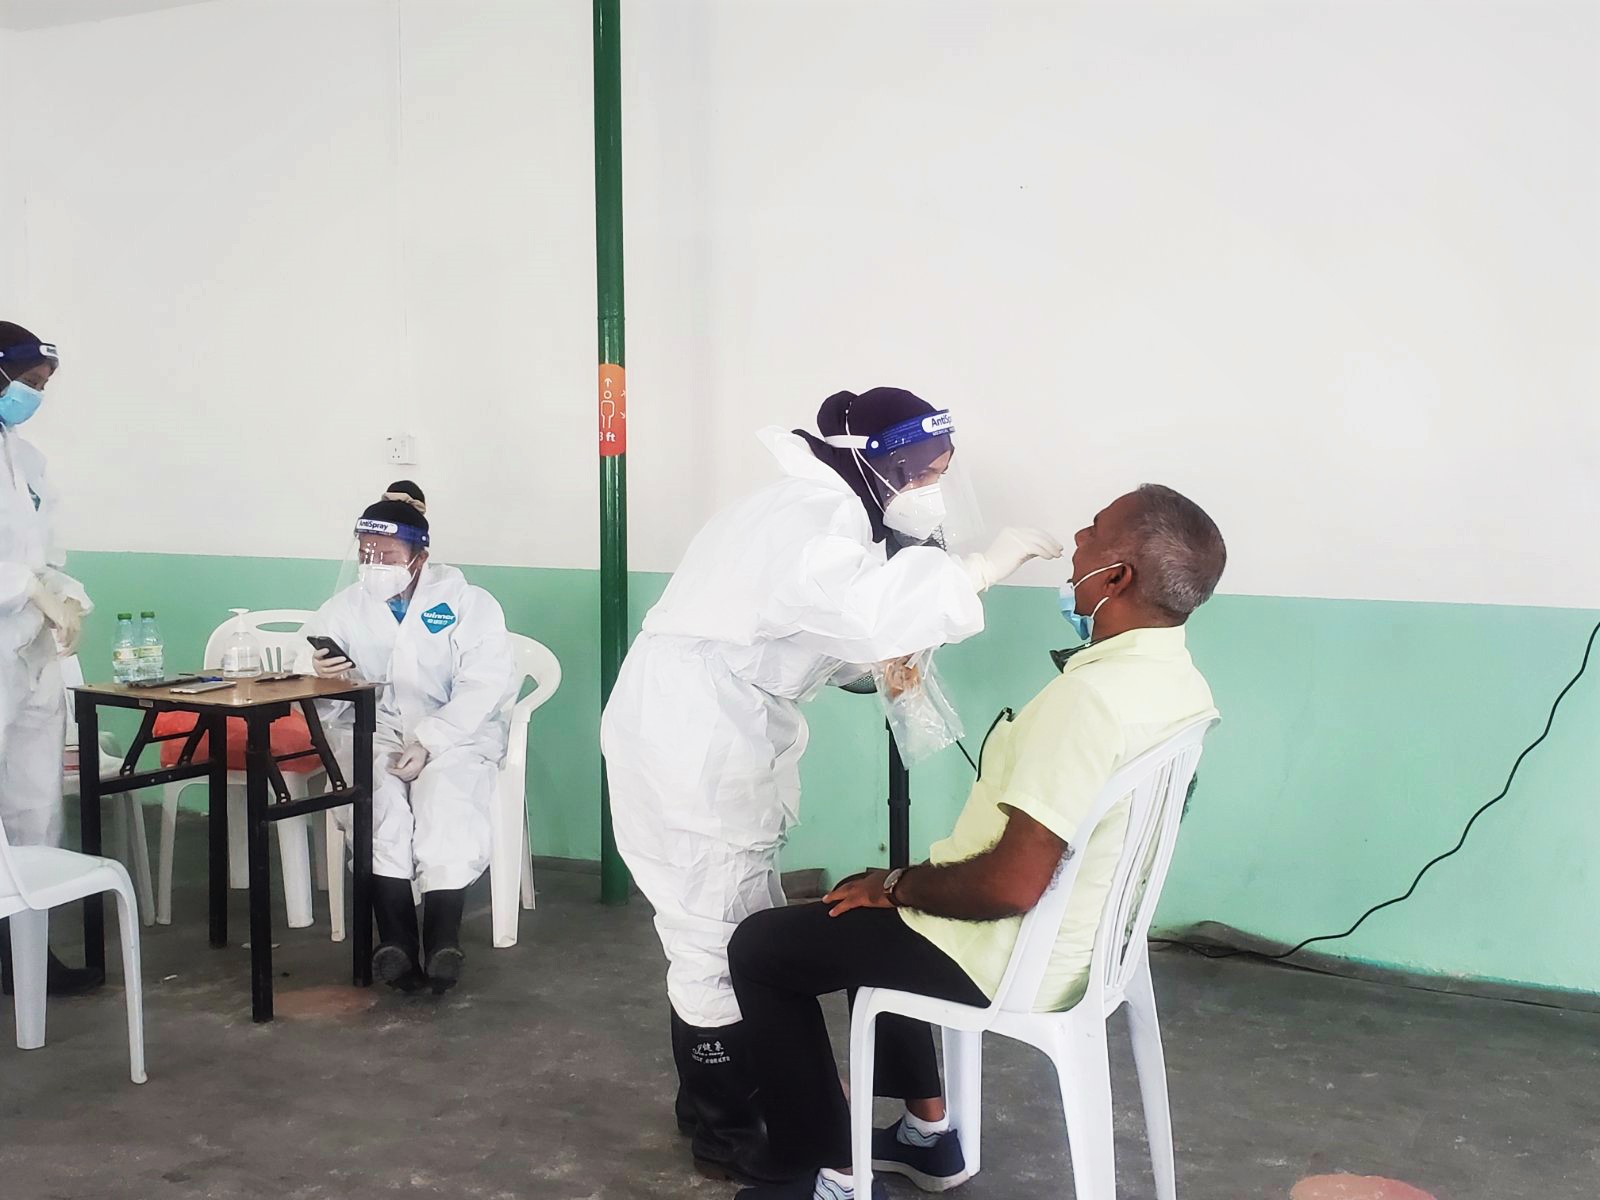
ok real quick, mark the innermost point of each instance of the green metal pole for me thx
(613, 400)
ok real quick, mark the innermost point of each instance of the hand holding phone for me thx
(329, 658)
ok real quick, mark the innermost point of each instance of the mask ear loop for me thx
(861, 463)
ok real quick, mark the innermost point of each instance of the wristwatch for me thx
(890, 881)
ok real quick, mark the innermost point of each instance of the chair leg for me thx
(505, 872)
(1151, 1062)
(133, 985)
(117, 843)
(294, 859)
(169, 837)
(238, 845)
(527, 869)
(336, 866)
(319, 831)
(1083, 1071)
(863, 1051)
(963, 1090)
(140, 858)
(30, 951)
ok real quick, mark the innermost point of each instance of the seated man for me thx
(1146, 563)
(440, 647)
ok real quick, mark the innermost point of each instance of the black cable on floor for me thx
(1461, 841)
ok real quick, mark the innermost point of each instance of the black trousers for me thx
(781, 961)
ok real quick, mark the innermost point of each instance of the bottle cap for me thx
(124, 616)
(147, 613)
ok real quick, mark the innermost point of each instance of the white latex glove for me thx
(51, 605)
(1010, 550)
(326, 667)
(408, 764)
(67, 634)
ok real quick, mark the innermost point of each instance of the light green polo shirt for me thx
(1113, 701)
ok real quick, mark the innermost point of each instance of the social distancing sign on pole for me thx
(613, 410)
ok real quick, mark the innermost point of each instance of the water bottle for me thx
(124, 653)
(152, 654)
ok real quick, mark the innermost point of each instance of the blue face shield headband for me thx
(406, 533)
(908, 433)
(897, 437)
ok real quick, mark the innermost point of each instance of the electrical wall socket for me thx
(400, 449)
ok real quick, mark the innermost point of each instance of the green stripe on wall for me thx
(1357, 739)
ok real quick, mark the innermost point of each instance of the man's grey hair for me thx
(1177, 550)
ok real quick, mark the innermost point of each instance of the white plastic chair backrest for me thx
(295, 651)
(1156, 783)
(534, 661)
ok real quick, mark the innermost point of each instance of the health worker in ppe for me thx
(41, 616)
(834, 567)
(439, 645)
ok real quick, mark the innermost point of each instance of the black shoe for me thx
(397, 968)
(395, 961)
(796, 1189)
(715, 1094)
(937, 1167)
(441, 935)
(59, 979)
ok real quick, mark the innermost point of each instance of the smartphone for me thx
(318, 642)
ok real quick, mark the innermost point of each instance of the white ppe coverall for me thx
(33, 707)
(703, 734)
(450, 681)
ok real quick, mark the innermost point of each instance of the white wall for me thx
(1329, 267)
(10, 195)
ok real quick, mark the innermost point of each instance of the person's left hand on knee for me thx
(408, 764)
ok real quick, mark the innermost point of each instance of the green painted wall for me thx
(1357, 739)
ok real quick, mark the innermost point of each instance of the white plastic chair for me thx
(35, 879)
(127, 814)
(294, 852)
(1075, 1040)
(510, 855)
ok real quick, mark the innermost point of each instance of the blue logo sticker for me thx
(438, 617)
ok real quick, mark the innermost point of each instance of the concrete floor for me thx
(547, 1075)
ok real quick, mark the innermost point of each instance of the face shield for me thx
(383, 558)
(914, 474)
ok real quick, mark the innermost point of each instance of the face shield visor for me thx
(382, 559)
(920, 485)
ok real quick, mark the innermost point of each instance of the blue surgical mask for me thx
(1082, 625)
(18, 402)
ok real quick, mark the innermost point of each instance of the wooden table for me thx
(257, 702)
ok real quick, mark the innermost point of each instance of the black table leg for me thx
(217, 825)
(257, 750)
(89, 791)
(361, 824)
